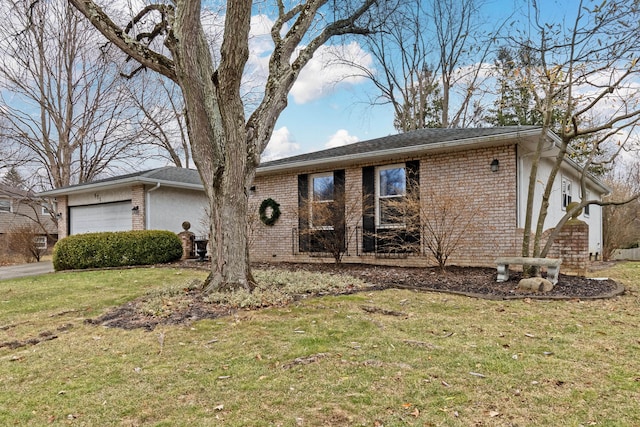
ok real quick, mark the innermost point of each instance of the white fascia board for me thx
(575, 166)
(590, 178)
(386, 155)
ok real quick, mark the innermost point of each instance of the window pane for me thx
(321, 215)
(391, 211)
(392, 182)
(566, 192)
(323, 188)
(5, 205)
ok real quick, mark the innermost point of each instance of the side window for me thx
(566, 192)
(391, 186)
(45, 209)
(586, 208)
(322, 196)
(5, 205)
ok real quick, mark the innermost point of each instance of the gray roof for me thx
(416, 138)
(169, 175)
(15, 192)
(385, 148)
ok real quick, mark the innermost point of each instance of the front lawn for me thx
(391, 358)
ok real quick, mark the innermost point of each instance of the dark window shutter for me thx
(368, 208)
(339, 220)
(412, 234)
(413, 175)
(303, 209)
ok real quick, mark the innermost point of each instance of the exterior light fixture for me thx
(495, 165)
(135, 208)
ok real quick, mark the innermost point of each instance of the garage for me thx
(114, 216)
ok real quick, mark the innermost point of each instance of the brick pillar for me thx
(138, 215)
(187, 238)
(63, 219)
(572, 245)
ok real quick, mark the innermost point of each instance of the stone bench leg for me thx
(552, 273)
(503, 273)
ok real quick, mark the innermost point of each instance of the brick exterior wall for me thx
(487, 199)
(138, 218)
(63, 220)
(273, 243)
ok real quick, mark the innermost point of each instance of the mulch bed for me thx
(469, 281)
(479, 282)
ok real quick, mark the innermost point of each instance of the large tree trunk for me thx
(225, 146)
(230, 267)
(218, 137)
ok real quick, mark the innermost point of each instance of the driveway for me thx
(23, 270)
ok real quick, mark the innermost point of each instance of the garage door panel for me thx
(100, 217)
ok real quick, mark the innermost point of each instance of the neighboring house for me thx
(485, 171)
(20, 208)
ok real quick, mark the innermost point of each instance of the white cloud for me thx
(260, 35)
(281, 144)
(340, 138)
(327, 69)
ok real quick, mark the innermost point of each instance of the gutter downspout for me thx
(148, 206)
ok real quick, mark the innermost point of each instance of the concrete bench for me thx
(552, 265)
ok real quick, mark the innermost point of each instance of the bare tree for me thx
(24, 240)
(588, 70)
(429, 63)
(64, 113)
(517, 103)
(161, 118)
(225, 143)
(439, 217)
(622, 222)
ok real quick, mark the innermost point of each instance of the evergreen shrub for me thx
(116, 249)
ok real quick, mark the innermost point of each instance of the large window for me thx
(5, 205)
(322, 191)
(566, 192)
(391, 186)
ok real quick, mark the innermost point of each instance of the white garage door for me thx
(102, 217)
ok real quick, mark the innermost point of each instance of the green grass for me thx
(448, 360)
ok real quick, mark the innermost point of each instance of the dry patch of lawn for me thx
(391, 358)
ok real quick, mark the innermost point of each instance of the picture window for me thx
(322, 190)
(391, 186)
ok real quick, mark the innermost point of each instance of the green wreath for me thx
(275, 211)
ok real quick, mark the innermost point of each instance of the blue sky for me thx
(342, 113)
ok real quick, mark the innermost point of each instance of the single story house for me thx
(23, 209)
(481, 174)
